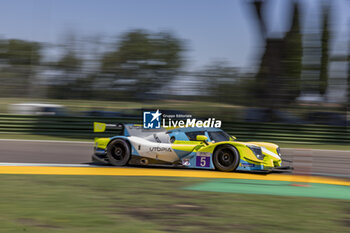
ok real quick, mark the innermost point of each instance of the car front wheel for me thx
(226, 158)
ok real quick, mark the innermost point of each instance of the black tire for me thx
(118, 152)
(226, 158)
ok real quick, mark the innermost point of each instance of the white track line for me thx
(47, 165)
(310, 149)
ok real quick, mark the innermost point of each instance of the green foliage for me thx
(348, 81)
(224, 84)
(69, 62)
(68, 80)
(278, 79)
(143, 50)
(148, 59)
(292, 60)
(20, 52)
(324, 55)
(19, 61)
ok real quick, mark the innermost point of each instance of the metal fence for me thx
(82, 127)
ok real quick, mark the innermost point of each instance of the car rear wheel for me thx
(118, 152)
(226, 158)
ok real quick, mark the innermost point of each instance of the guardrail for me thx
(82, 127)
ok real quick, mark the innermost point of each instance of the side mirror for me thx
(202, 138)
(233, 137)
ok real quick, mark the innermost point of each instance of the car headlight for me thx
(256, 151)
(278, 150)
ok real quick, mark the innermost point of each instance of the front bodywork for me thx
(175, 147)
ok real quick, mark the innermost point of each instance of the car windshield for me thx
(219, 136)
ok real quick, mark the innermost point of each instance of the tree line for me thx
(144, 65)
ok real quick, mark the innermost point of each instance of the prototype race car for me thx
(205, 148)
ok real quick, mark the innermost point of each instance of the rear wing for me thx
(100, 127)
(127, 129)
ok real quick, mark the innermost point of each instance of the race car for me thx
(203, 148)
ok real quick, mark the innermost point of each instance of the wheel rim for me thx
(118, 152)
(225, 158)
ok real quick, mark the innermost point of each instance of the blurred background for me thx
(276, 61)
(272, 70)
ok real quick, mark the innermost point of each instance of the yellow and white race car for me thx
(204, 148)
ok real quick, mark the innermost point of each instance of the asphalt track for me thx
(306, 161)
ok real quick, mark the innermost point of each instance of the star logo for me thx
(151, 119)
(156, 115)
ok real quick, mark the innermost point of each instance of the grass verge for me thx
(33, 203)
(41, 137)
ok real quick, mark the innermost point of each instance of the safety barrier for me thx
(82, 127)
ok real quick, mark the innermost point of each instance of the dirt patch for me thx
(166, 212)
(35, 223)
(347, 218)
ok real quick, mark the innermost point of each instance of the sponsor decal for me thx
(155, 120)
(247, 165)
(156, 148)
(186, 162)
(203, 159)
